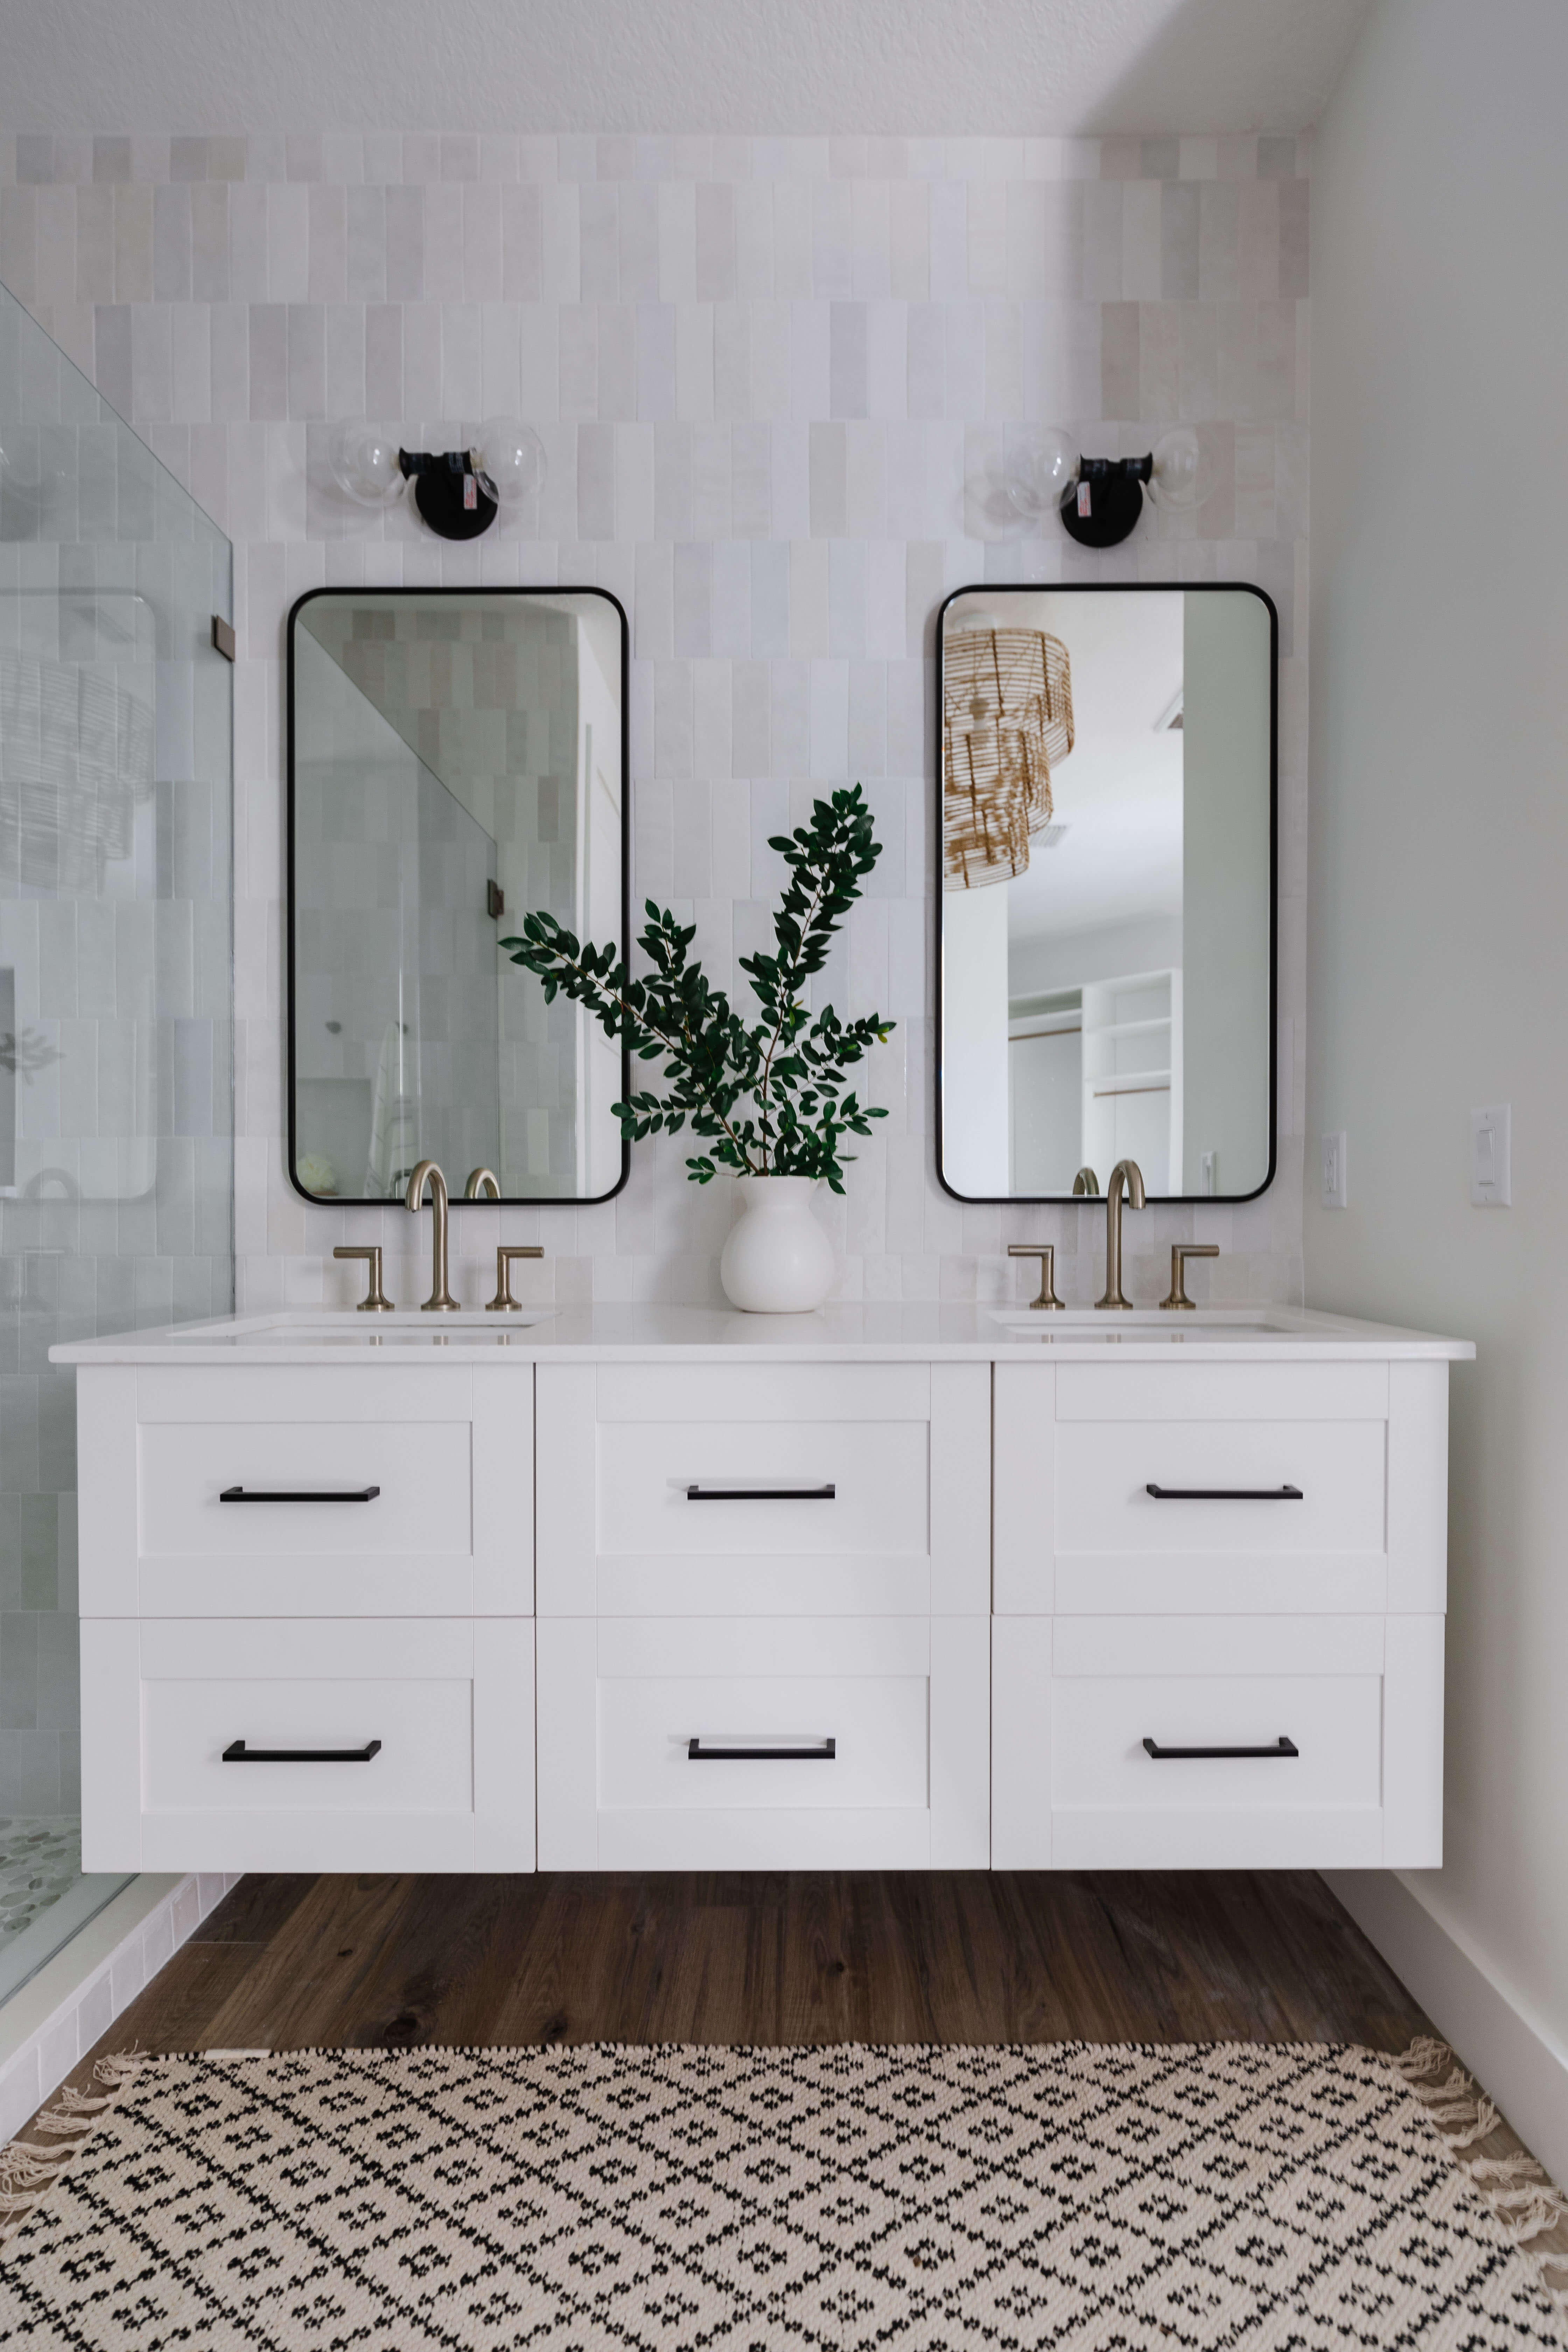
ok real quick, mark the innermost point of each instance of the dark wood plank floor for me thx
(290, 1962)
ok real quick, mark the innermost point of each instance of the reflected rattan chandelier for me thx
(1006, 718)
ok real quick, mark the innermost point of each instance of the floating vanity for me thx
(668, 1589)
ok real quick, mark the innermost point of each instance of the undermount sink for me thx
(1144, 1322)
(345, 1327)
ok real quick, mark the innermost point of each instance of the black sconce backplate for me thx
(447, 492)
(1111, 489)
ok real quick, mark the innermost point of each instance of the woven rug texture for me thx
(858, 2198)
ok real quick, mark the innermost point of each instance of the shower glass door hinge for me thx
(223, 637)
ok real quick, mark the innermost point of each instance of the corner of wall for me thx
(1514, 2057)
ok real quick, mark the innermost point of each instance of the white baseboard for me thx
(59, 2013)
(1511, 2054)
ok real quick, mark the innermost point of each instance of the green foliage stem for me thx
(768, 1098)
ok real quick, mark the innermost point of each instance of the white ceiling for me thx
(1042, 68)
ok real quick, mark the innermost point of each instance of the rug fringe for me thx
(1520, 2191)
(27, 2172)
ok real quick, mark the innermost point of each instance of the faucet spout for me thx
(441, 1301)
(1128, 1175)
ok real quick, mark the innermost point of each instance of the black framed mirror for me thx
(1108, 893)
(457, 758)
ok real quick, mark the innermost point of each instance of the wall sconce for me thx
(459, 492)
(1100, 498)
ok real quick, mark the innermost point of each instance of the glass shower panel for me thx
(116, 1119)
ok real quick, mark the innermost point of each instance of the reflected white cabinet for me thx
(1134, 1608)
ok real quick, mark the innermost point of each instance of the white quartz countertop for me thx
(866, 1334)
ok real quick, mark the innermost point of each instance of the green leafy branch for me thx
(769, 1097)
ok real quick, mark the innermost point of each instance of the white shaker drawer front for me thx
(333, 1489)
(1220, 1486)
(243, 1744)
(264, 1492)
(320, 1746)
(1212, 1743)
(767, 1744)
(688, 1743)
(1179, 1772)
(1180, 1741)
(1293, 1491)
(759, 1490)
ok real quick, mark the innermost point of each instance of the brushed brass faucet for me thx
(1125, 1172)
(480, 1180)
(1086, 1185)
(441, 1301)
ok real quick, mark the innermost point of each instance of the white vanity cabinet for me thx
(659, 1589)
(1219, 1592)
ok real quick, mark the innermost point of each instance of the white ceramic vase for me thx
(777, 1260)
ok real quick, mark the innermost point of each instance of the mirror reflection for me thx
(1107, 890)
(456, 760)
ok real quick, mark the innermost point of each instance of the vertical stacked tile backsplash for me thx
(775, 380)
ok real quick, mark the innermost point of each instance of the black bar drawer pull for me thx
(1179, 1755)
(237, 1752)
(1225, 1494)
(697, 1754)
(276, 1495)
(762, 1493)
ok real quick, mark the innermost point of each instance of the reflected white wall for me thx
(1225, 969)
(974, 1041)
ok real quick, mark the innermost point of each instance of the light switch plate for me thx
(1335, 1195)
(1491, 1156)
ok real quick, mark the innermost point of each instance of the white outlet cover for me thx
(1335, 1195)
(1491, 1156)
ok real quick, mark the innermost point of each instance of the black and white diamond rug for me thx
(1101, 2198)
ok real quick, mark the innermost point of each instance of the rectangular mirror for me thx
(456, 758)
(1108, 890)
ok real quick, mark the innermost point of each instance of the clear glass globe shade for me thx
(1183, 471)
(1040, 471)
(366, 463)
(511, 459)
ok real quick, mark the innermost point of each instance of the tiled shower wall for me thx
(775, 380)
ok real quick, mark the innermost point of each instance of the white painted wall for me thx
(1438, 962)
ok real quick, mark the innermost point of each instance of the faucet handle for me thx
(1180, 1252)
(1046, 1254)
(503, 1303)
(375, 1300)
